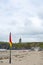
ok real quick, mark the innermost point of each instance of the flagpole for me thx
(10, 56)
(10, 41)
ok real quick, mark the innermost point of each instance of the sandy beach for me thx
(22, 57)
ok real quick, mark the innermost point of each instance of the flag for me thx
(10, 40)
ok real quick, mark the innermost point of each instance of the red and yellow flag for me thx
(10, 40)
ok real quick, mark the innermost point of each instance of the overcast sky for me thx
(23, 18)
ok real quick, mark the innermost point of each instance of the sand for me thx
(22, 57)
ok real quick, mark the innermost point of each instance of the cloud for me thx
(24, 18)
